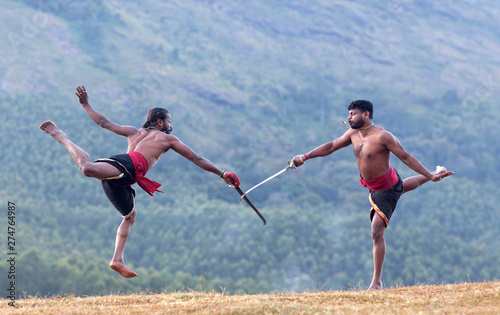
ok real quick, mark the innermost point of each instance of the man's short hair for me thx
(363, 106)
(153, 115)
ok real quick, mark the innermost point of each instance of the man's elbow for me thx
(103, 123)
(197, 159)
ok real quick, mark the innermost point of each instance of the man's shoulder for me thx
(382, 131)
(167, 138)
(133, 132)
(350, 132)
(170, 137)
(384, 135)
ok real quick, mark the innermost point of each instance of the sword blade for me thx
(264, 181)
(250, 204)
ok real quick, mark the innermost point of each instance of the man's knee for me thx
(378, 229)
(88, 170)
(377, 235)
(132, 217)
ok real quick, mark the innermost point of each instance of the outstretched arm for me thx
(201, 162)
(99, 118)
(324, 149)
(392, 144)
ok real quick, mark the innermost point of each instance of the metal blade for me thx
(264, 181)
(291, 165)
(250, 204)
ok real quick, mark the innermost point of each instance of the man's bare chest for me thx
(367, 147)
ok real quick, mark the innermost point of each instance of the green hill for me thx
(249, 85)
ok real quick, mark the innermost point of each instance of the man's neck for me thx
(366, 127)
(157, 129)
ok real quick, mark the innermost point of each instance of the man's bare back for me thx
(151, 143)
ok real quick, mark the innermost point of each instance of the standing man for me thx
(372, 147)
(119, 172)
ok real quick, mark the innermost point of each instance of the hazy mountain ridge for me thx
(249, 85)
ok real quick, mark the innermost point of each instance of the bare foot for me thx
(122, 269)
(441, 171)
(375, 287)
(51, 128)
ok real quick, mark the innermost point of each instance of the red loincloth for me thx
(141, 168)
(383, 182)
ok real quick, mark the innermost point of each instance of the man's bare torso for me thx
(371, 153)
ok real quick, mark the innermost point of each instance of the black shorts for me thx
(384, 201)
(118, 188)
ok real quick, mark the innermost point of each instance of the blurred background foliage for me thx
(249, 85)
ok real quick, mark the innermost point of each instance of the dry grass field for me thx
(467, 298)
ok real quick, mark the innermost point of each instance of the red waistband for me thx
(141, 168)
(383, 182)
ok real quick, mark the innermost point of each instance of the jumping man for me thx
(119, 172)
(372, 147)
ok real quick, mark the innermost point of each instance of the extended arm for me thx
(324, 149)
(393, 145)
(99, 118)
(200, 161)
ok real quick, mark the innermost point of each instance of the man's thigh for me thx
(104, 170)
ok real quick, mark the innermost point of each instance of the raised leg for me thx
(378, 230)
(81, 158)
(118, 263)
(414, 182)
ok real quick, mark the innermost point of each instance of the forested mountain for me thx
(249, 85)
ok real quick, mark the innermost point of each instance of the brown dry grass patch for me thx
(467, 298)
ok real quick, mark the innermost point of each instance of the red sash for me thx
(383, 182)
(141, 168)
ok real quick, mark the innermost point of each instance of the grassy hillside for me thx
(249, 85)
(467, 298)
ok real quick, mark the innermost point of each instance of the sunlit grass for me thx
(466, 298)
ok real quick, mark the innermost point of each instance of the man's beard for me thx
(356, 125)
(167, 130)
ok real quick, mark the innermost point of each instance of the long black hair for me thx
(153, 115)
